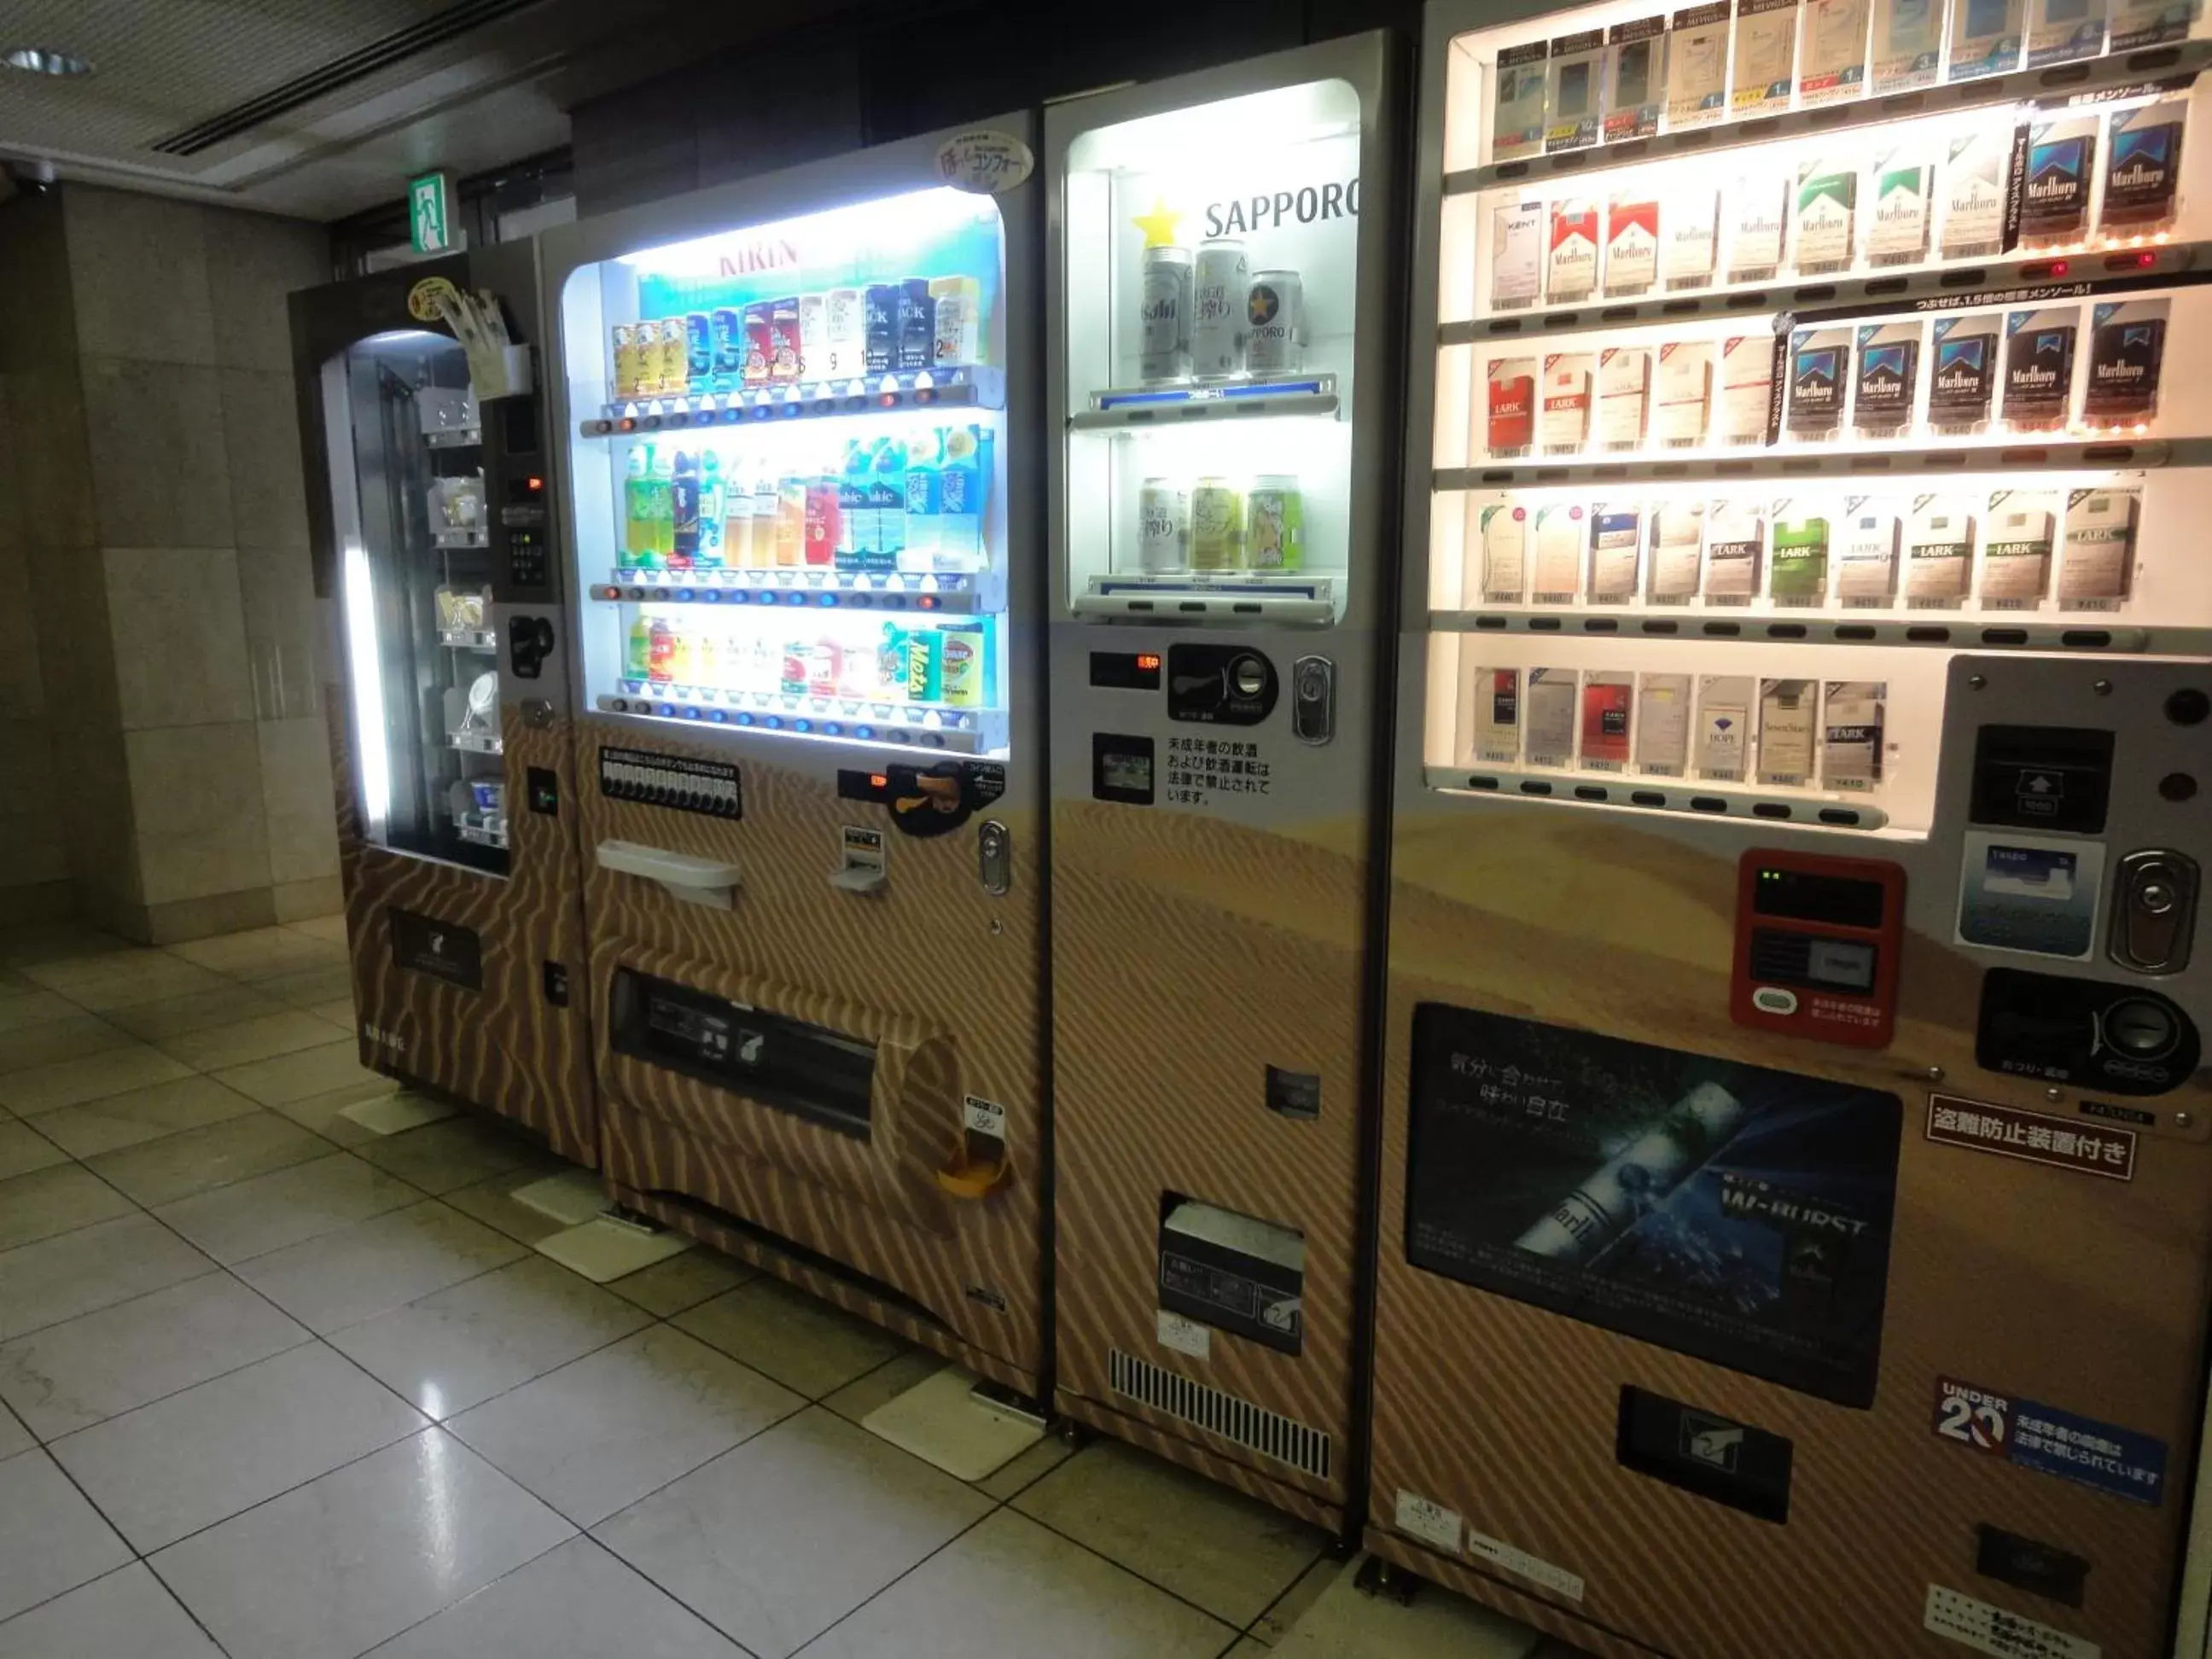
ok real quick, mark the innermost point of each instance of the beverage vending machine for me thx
(803, 534)
(1224, 286)
(425, 464)
(1797, 1198)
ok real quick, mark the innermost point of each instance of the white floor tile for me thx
(59, 1200)
(54, 1040)
(94, 1077)
(850, 1513)
(60, 1278)
(800, 1341)
(170, 1469)
(332, 1569)
(27, 1005)
(575, 1598)
(373, 1266)
(440, 1156)
(597, 1435)
(123, 979)
(71, 1376)
(308, 1072)
(23, 1149)
(13, 1436)
(667, 1288)
(1345, 1623)
(457, 1347)
(126, 1615)
(307, 1200)
(196, 1010)
(50, 1540)
(212, 1047)
(215, 1155)
(125, 1119)
(260, 953)
(332, 930)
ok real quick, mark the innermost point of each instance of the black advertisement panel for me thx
(1730, 1211)
(443, 950)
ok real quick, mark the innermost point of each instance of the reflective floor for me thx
(278, 1388)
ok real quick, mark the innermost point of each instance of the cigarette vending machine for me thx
(1796, 1200)
(803, 540)
(1224, 292)
(449, 730)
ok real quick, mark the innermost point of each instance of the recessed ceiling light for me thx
(44, 60)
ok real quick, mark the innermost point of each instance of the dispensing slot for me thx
(1233, 1272)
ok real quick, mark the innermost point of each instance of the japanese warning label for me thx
(1200, 769)
(2051, 1442)
(2009, 1133)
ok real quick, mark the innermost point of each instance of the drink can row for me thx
(1216, 525)
(1209, 314)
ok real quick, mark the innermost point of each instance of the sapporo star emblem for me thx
(1159, 225)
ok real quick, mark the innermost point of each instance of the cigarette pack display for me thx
(1563, 420)
(1685, 393)
(2097, 560)
(1663, 725)
(1725, 710)
(1827, 217)
(1897, 232)
(1608, 706)
(1689, 226)
(1798, 569)
(1866, 565)
(1574, 90)
(1939, 551)
(1977, 179)
(1517, 255)
(1908, 45)
(1786, 732)
(1517, 127)
(1504, 535)
(2143, 168)
(1547, 717)
(1559, 552)
(1495, 715)
(1635, 78)
(2061, 160)
(1697, 66)
(1759, 207)
(2127, 351)
(1831, 50)
(1624, 396)
(1852, 734)
(1511, 385)
(2140, 23)
(1886, 378)
(1963, 376)
(1764, 65)
(1678, 546)
(1986, 38)
(1820, 365)
(2060, 31)
(1616, 544)
(2016, 553)
(2039, 366)
(1572, 273)
(1746, 377)
(1631, 244)
(1736, 544)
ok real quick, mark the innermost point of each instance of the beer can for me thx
(845, 327)
(698, 348)
(1164, 353)
(1217, 525)
(760, 342)
(729, 346)
(917, 323)
(880, 342)
(813, 336)
(627, 360)
(784, 345)
(1162, 525)
(1219, 290)
(1275, 523)
(675, 358)
(1275, 324)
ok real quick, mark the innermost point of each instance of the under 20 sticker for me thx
(2051, 1442)
(1992, 1630)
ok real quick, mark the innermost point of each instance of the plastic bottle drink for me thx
(925, 501)
(637, 511)
(887, 500)
(683, 497)
(963, 486)
(856, 518)
(768, 496)
(714, 506)
(737, 520)
(822, 530)
(791, 522)
(637, 662)
(660, 653)
(663, 497)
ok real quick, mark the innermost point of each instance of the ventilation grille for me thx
(394, 48)
(1269, 1433)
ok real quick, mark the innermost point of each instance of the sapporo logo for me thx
(1267, 211)
(1262, 305)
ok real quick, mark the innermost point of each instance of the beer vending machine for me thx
(803, 538)
(1224, 286)
(421, 425)
(1796, 1196)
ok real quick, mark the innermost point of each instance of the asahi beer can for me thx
(1162, 527)
(1217, 525)
(1165, 353)
(813, 336)
(729, 346)
(629, 361)
(1275, 324)
(844, 317)
(1220, 291)
(880, 343)
(1275, 523)
(785, 347)
(698, 347)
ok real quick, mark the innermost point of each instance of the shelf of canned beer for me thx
(845, 719)
(2098, 80)
(981, 593)
(1189, 596)
(1752, 462)
(1208, 400)
(976, 386)
(1658, 795)
(1946, 631)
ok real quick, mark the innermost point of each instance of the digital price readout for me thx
(1816, 947)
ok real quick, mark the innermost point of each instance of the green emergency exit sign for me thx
(430, 212)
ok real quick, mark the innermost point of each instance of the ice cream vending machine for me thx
(1796, 1191)
(1224, 287)
(425, 461)
(803, 539)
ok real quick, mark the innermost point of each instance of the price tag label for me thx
(985, 162)
(984, 1117)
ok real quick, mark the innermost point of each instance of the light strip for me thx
(375, 761)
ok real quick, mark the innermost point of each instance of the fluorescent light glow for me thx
(44, 60)
(815, 239)
(374, 764)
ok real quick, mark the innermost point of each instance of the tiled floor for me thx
(277, 1388)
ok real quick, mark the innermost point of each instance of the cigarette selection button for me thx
(1773, 999)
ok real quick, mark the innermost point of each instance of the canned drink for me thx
(627, 360)
(959, 320)
(1275, 523)
(675, 358)
(785, 347)
(880, 343)
(698, 348)
(813, 336)
(729, 346)
(1217, 525)
(845, 327)
(1275, 323)
(760, 342)
(1219, 290)
(1164, 353)
(1162, 525)
(917, 323)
